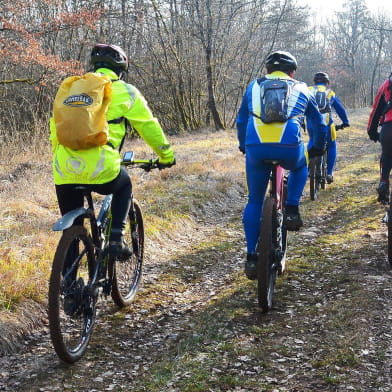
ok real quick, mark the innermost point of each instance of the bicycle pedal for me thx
(278, 267)
(107, 287)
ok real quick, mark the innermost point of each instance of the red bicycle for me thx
(272, 243)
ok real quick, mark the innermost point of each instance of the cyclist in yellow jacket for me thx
(321, 84)
(99, 168)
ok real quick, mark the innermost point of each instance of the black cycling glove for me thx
(162, 166)
(373, 135)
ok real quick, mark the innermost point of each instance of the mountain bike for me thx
(318, 172)
(272, 243)
(82, 269)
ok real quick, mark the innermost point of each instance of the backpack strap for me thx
(116, 120)
(259, 81)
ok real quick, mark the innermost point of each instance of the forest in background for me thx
(192, 59)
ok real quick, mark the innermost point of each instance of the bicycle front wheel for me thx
(71, 310)
(267, 271)
(127, 273)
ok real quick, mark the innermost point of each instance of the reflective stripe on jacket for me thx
(99, 165)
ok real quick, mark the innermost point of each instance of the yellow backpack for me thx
(79, 111)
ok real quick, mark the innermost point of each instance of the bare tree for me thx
(347, 36)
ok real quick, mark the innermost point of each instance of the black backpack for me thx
(323, 102)
(274, 96)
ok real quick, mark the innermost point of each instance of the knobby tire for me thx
(312, 178)
(266, 276)
(127, 274)
(71, 314)
(283, 231)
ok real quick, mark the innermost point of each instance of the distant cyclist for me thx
(259, 141)
(381, 114)
(328, 100)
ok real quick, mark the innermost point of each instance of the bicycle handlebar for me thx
(145, 164)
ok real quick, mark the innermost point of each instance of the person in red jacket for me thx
(381, 114)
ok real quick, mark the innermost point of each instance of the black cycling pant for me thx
(70, 198)
(386, 155)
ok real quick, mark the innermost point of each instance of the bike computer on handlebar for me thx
(128, 156)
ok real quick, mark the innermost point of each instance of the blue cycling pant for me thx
(331, 156)
(258, 174)
(331, 149)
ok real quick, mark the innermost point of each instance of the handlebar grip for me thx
(146, 166)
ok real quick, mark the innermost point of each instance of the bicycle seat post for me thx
(274, 163)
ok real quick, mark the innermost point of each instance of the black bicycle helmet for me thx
(321, 77)
(109, 56)
(281, 60)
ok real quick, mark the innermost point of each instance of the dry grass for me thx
(172, 201)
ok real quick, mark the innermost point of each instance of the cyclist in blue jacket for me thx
(321, 83)
(276, 140)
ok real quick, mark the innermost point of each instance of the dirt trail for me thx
(329, 329)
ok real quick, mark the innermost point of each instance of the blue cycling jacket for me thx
(334, 102)
(251, 130)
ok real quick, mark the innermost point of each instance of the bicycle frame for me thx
(99, 226)
(276, 183)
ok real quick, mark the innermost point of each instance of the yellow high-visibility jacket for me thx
(101, 164)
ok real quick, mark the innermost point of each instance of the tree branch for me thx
(29, 81)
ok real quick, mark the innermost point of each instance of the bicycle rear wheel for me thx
(323, 171)
(71, 309)
(267, 272)
(312, 178)
(127, 274)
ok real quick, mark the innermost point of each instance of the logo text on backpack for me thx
(78, 100)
